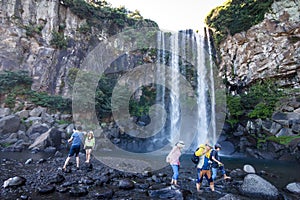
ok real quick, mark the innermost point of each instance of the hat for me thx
(217, 146)
(180, 144)
(209, 145)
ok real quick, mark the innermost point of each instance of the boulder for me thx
(50, 138)
(10, 124)
(15, 181)
(256, 187)
(37, 112)
(23, 114)
(4, 112)
(294, 187)
(37, 128)
(126, 184)
(249, 169)
(165, 193)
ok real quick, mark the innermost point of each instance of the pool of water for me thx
(279, 173)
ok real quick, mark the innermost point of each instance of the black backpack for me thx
(195, 159)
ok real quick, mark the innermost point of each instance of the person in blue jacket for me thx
(76, 139)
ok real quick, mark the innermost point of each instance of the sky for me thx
(172, 15)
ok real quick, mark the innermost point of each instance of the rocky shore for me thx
(42, 178)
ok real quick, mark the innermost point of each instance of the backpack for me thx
(195, 159)
(197, 153)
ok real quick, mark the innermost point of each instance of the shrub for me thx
(58, 40)
(236, 16)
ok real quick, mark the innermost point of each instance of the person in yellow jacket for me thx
(202, 150)
(89, 145)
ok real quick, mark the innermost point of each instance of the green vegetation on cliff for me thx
(236, 16)
(258, 101)
(101, 14)
(15, 90)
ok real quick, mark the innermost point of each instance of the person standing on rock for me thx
(205, 171)
(217, 164)
(76, 139)
(89, 145)
(202, 150)
(173, 159)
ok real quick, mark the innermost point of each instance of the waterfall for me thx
(212, 90)
(188, 51)
(202, 126)
(160, 77)
(174, 110)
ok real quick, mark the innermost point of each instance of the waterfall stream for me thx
(190, 54)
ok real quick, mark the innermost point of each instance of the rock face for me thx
(268, 49)
(26, 30)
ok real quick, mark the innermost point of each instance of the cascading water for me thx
(212, 90)
(203, 67)
(174, 109)
(202, 126)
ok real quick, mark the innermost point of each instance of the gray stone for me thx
(275, 128)
(9, 124)
(254, 186)
(46, 118)
(296, 128)
(51, 138)
(279, 116)
(37, 128)
(4, 112)
(126, 184)
(249, 169)
(294, 187)
(294, 104)
(285, 132)
(23, 114)
(287, 109)
(33, 120)
(232, 197)
(15, 181)
(37, 112)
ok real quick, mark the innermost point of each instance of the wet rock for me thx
(126, 184)
(165, 193)
(46, 189)
(232, 197)
(237, 173)
(87, 181)
(294, 187)
(15, 181)
(78, 191)
(249, 169)
(42, 160)
(24, 197)
(255, 186)
(28, 161)
(104, 193)
(58, 154)
(102, 180)
(58, 178)
(62, 189)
